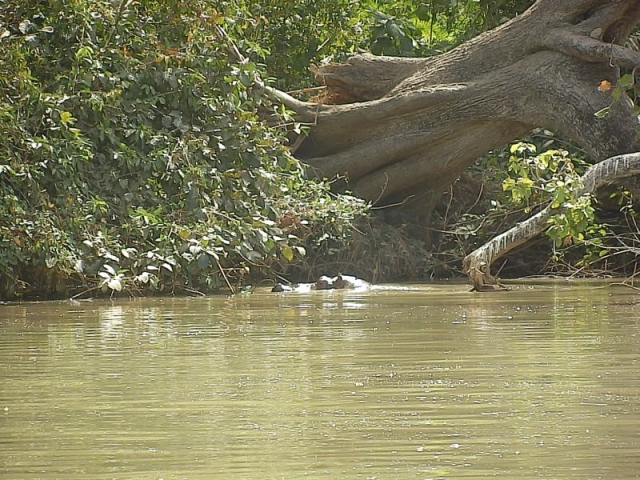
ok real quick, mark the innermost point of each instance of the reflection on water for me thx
(417, 382)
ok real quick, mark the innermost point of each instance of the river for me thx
(417, 381)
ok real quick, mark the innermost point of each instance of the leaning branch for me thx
(478, 263)
(385, 108)
(306, 111)
(591, 49)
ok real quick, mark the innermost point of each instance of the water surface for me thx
(425, 382)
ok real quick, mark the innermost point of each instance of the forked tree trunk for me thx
(406, 124)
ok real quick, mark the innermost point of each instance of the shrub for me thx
(132, 156)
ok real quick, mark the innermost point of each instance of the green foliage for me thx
(132, 156)
(414, 28)
(511, 184)
(391, 35)
(289, 36)
(553, 177)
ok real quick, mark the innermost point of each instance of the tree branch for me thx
(305, 110)
(394, 106)
(477, 264)
(591, 49)
(367, 77)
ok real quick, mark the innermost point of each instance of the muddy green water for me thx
(428, 382)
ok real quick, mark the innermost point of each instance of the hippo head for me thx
(325, 283)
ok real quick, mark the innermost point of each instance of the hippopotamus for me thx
(341, 282)
(348, 282)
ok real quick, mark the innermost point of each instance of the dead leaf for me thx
(605, 86)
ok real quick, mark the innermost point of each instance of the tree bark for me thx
(403, 124)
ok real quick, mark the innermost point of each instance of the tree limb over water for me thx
(477, 264)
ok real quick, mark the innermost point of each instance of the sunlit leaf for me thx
(128, 252)
(25, 26)
(167, 266)
(109, 269)
(143, 278)
(287, 252)
(66, 118)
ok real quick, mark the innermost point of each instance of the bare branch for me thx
(306, 111)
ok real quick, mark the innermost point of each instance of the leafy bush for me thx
(511, 184)
(132, 156)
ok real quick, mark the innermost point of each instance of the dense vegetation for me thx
(134, 154)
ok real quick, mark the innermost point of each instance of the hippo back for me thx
(348, 282)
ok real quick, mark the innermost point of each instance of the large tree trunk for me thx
(405, 124)
(398, 126)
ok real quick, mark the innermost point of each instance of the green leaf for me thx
(66, 118)
(287, 252)
(626, 81)
(616, 94)
(84, 52)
